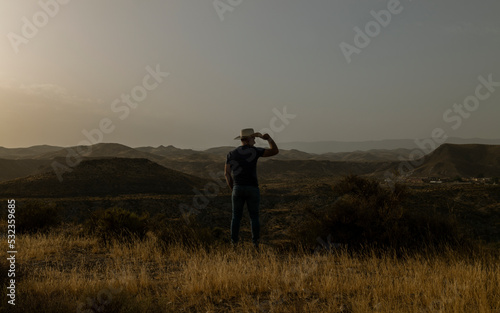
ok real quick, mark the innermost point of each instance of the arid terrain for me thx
(125, 232)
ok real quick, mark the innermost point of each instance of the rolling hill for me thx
(168, 151)
(11, 169)
(449, 160)
(309, 169)
(26, 153)
(99, 177)
(374, 155)
(102, 150)
(389, 144)
(469, 160)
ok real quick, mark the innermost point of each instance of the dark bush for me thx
(116, 223)
(362, 212)
(120, 224)
(36, 216)
(188, 232)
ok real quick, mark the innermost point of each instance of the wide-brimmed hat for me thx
(247, 132)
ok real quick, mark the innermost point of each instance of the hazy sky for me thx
(236, 65)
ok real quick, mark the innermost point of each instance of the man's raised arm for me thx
(273, 148)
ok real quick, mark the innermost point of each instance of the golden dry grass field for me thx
(68, 268)
(61, 272)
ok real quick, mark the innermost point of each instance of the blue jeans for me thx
(251, 196)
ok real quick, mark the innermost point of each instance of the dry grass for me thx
(60, 272)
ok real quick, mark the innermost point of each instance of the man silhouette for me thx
(241, 176)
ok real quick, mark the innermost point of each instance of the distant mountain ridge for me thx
(316, 147)
(101, 150)
(21, 153)
(166, 151)
(448, 160)
(320, 147)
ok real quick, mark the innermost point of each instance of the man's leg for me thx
(253, 203)
(238, 201)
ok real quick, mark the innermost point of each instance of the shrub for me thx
(364, 213)
(116, 223)
(36, 216)
(187, 233)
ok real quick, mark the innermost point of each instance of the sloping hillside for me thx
(390, 144)
(296, 169)
(11, 169)
(111, 176)
(471, 160)
(375, 155)
(168, 151)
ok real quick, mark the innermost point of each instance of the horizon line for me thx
(284, 142)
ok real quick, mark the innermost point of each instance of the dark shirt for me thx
(243, 161)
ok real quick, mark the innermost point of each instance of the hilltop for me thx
(101, 150)
(470, 160)
(11, 169)
(111, 176)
